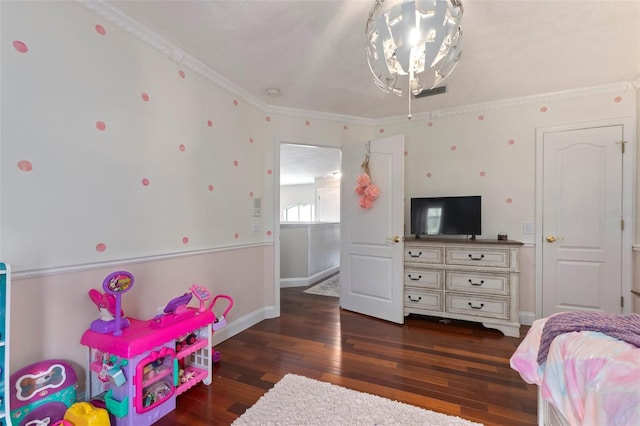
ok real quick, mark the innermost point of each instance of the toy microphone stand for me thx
(115, 284)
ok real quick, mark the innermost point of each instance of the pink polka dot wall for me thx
(118, 150)
(136, 155)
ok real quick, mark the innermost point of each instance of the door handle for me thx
(395, 239)
(553, 238)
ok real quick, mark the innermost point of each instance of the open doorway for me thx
(309, 212)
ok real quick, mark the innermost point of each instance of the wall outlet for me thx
(255, 228)
(527, 228)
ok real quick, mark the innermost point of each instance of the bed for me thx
(584, 377)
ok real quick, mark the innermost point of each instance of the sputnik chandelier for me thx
(421, 39)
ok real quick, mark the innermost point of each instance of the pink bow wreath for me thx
(367, 191)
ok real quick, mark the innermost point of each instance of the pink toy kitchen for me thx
(137, 368)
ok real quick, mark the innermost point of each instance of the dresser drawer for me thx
(477, 282)
(478, 306)
(423, 254)
(493, 257)
(423, 278)
(423, 300)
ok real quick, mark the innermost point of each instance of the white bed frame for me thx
(548, 415)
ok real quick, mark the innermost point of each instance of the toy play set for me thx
(42, 392)
(137, 368)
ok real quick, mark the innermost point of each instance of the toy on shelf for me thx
(42, 392)
(176, 310)
(202, 294)
(155, 367)
(86, 414)
(111, 370)
(187, 340)
(112, 318)
(184, 374)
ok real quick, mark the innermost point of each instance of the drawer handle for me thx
(415, 255)
(476, 258)
(476, 307)
(415, 279)
(477, 284)
(414, 300)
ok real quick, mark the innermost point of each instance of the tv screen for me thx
(446, 216)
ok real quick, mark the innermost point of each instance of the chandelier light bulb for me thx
(414, 37)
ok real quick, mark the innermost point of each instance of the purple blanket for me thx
(623, 327)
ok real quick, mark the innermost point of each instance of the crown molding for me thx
(303, 113)
(178, 55)
(174, 52)
(617, 87)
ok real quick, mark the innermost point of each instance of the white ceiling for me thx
(313, 51)
(300, 164)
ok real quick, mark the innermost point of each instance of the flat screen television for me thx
(446, 216)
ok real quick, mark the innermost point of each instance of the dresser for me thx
(471, 280)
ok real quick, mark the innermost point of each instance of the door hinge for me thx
(622, 224)
(622, 301)
(622, 143)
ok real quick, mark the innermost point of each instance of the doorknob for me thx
(553, 239)
(395, 239)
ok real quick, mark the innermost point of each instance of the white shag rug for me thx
(297, 400)
(329, 287)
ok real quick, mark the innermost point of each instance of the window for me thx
(299, 213)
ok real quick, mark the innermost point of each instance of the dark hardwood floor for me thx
(456, 367)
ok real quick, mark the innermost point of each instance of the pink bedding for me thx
(589, 377)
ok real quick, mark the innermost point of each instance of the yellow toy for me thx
(85, 414)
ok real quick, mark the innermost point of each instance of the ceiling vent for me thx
(431, 92)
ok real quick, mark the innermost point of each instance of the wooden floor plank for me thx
(455, 367)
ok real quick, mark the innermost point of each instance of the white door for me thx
(328, 204)
(371, 239)
(581, 220)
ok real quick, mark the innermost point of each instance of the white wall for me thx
(327, 199)
(634, 217)
(73, 205)
(308, 252)
(294, 251)
(75, 202)
(489, 150)
(296, 194)
(173, 170)
(308, 194)
(324, 247)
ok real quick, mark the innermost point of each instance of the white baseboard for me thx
(294, 282)
(305, 281)
(527, 318)
(239, 325)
